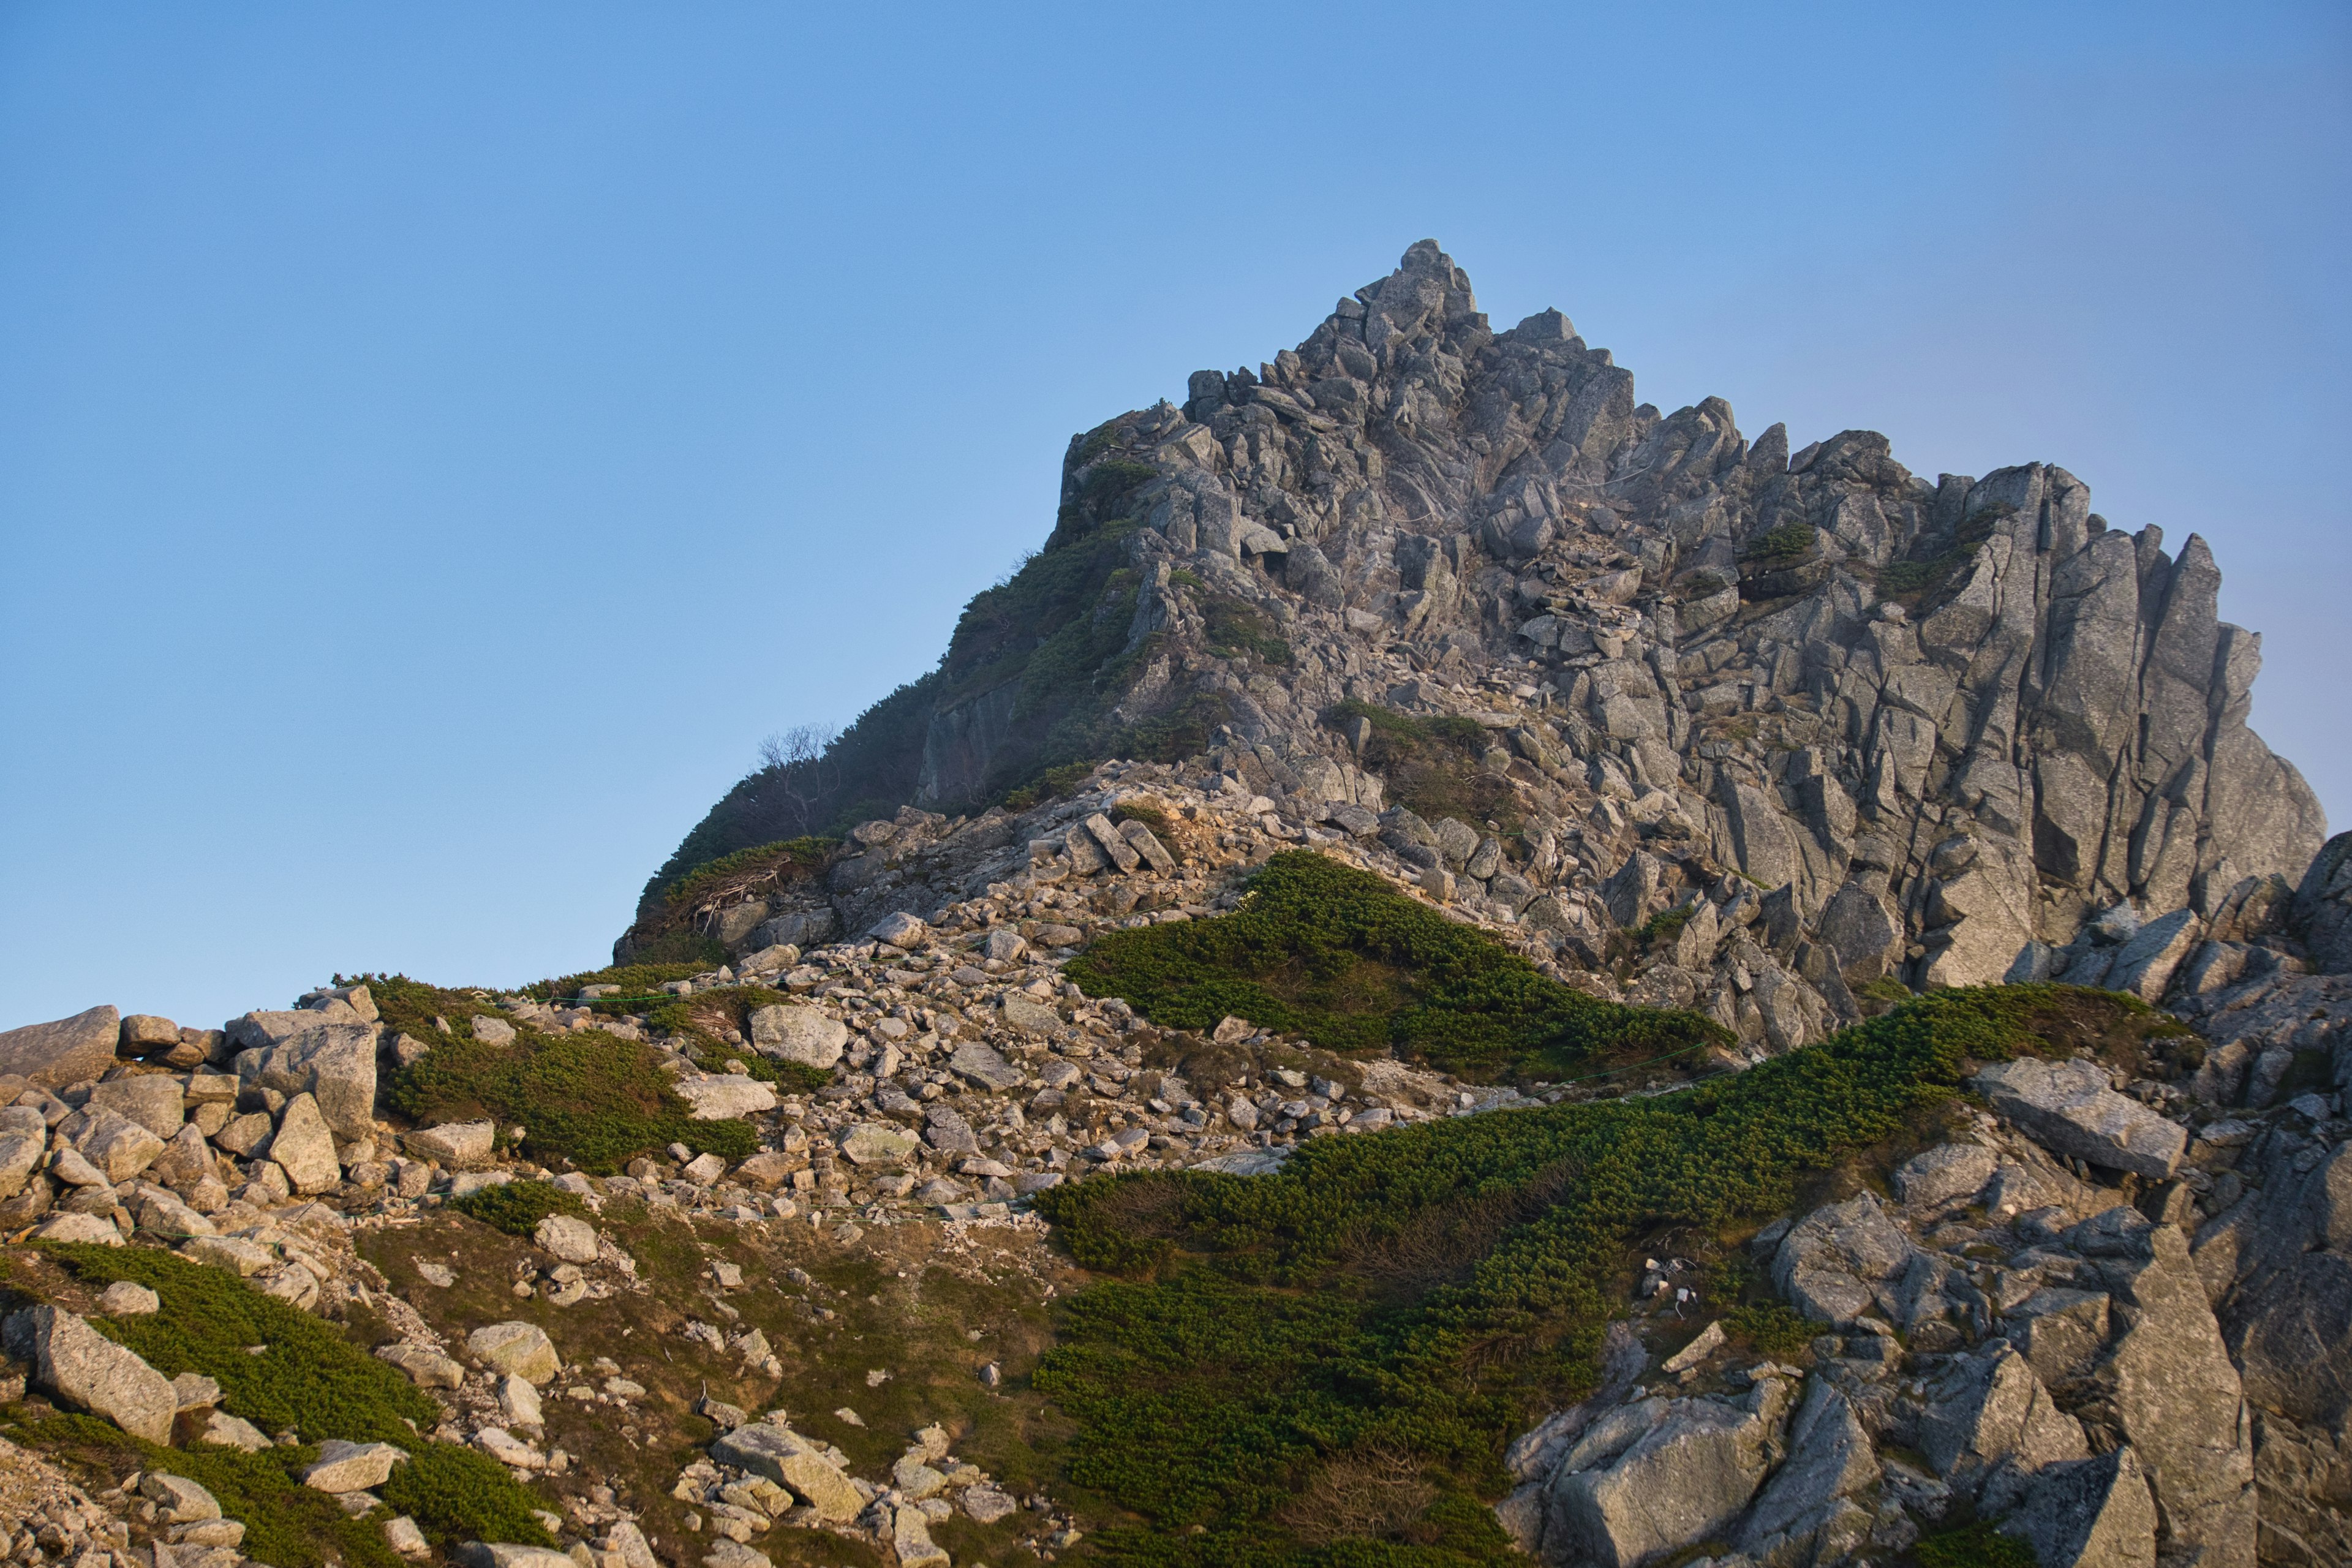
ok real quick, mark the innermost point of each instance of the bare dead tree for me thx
(793, 773)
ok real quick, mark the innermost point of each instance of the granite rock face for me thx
(1950, 721)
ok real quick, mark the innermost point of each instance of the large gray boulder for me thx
(152, 1099)
(2145, 966)
(2323, 907)
(71, 1051)
(119, 1147)
(516, 1350)
(2070, 1109)
(1654, 1478)
(333, 1063)
(721, 1096)
(793, 1462)
(2171, 1387)
(795, 1032)
(83, 1368)
(1815, 1508)
(1989, 1420)
(304, 1147)
(2090, 1513)
(1843, 1261)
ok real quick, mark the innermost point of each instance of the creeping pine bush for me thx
(1338, 956)
(1392, 1309)
(593, 1098)
(517, 1208)
(308, 1379)
(1433, 766)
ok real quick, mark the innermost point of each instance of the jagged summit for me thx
(1964, 716)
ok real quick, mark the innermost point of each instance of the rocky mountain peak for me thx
(1970, 702)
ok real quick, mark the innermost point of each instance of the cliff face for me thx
(1955, 720)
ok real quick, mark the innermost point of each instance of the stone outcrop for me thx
(1948, 723)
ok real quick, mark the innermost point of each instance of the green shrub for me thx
(1780, 545)
(1977, 1546)
(638, 983)
(1235, 630)
(1433, 767)
(517, 1208)
(592, 1098)
(308, 1379)
(1772, 1329)
(1663, 926)
(1430, 1291)
(790, 860)
(1338, 956)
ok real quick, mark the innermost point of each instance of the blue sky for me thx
(437, 442)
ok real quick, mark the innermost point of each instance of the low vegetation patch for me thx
(517, 1208)
(1236, 629)
(1433, 767)
(1336, 955)
(1374, 1323)
(1779, 546)
(286, 1371)
(593, 1099)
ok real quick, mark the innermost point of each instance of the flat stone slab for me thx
(345, 1467)
(2069, 1108)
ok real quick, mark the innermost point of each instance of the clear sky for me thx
(438, 441)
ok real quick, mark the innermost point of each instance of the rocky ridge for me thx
(1958, 721)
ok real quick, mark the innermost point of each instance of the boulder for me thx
(459, 1145)
(791, 1460)
(910, 1538)
(568, 1236)
(2069, 1108)
(257, 1031)
(71, 1051)
(1951, 1174)
(177, 1499)
(518, 1349)
(1842, 1260)
(721, 1096)
(303, 1147)
(1659, 1476)
(1867, 939)
(333, 1063)
(226, 1431)
(873, 1143)
(426, 1368)
(87, 1228)
(982, 1066)
(116, 1146)
(902, 929)
(1988, 1417)
(2145, 966)
(796, 1032)
(2090, 1513)
(2171, 1387)
(152, 1099)
(1814, 1508)
(1029, 1015)
(345, 1467)
(239, 1256)
(124, 1299)
(83, 1368)
(145, 1032)
(21, 1149)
